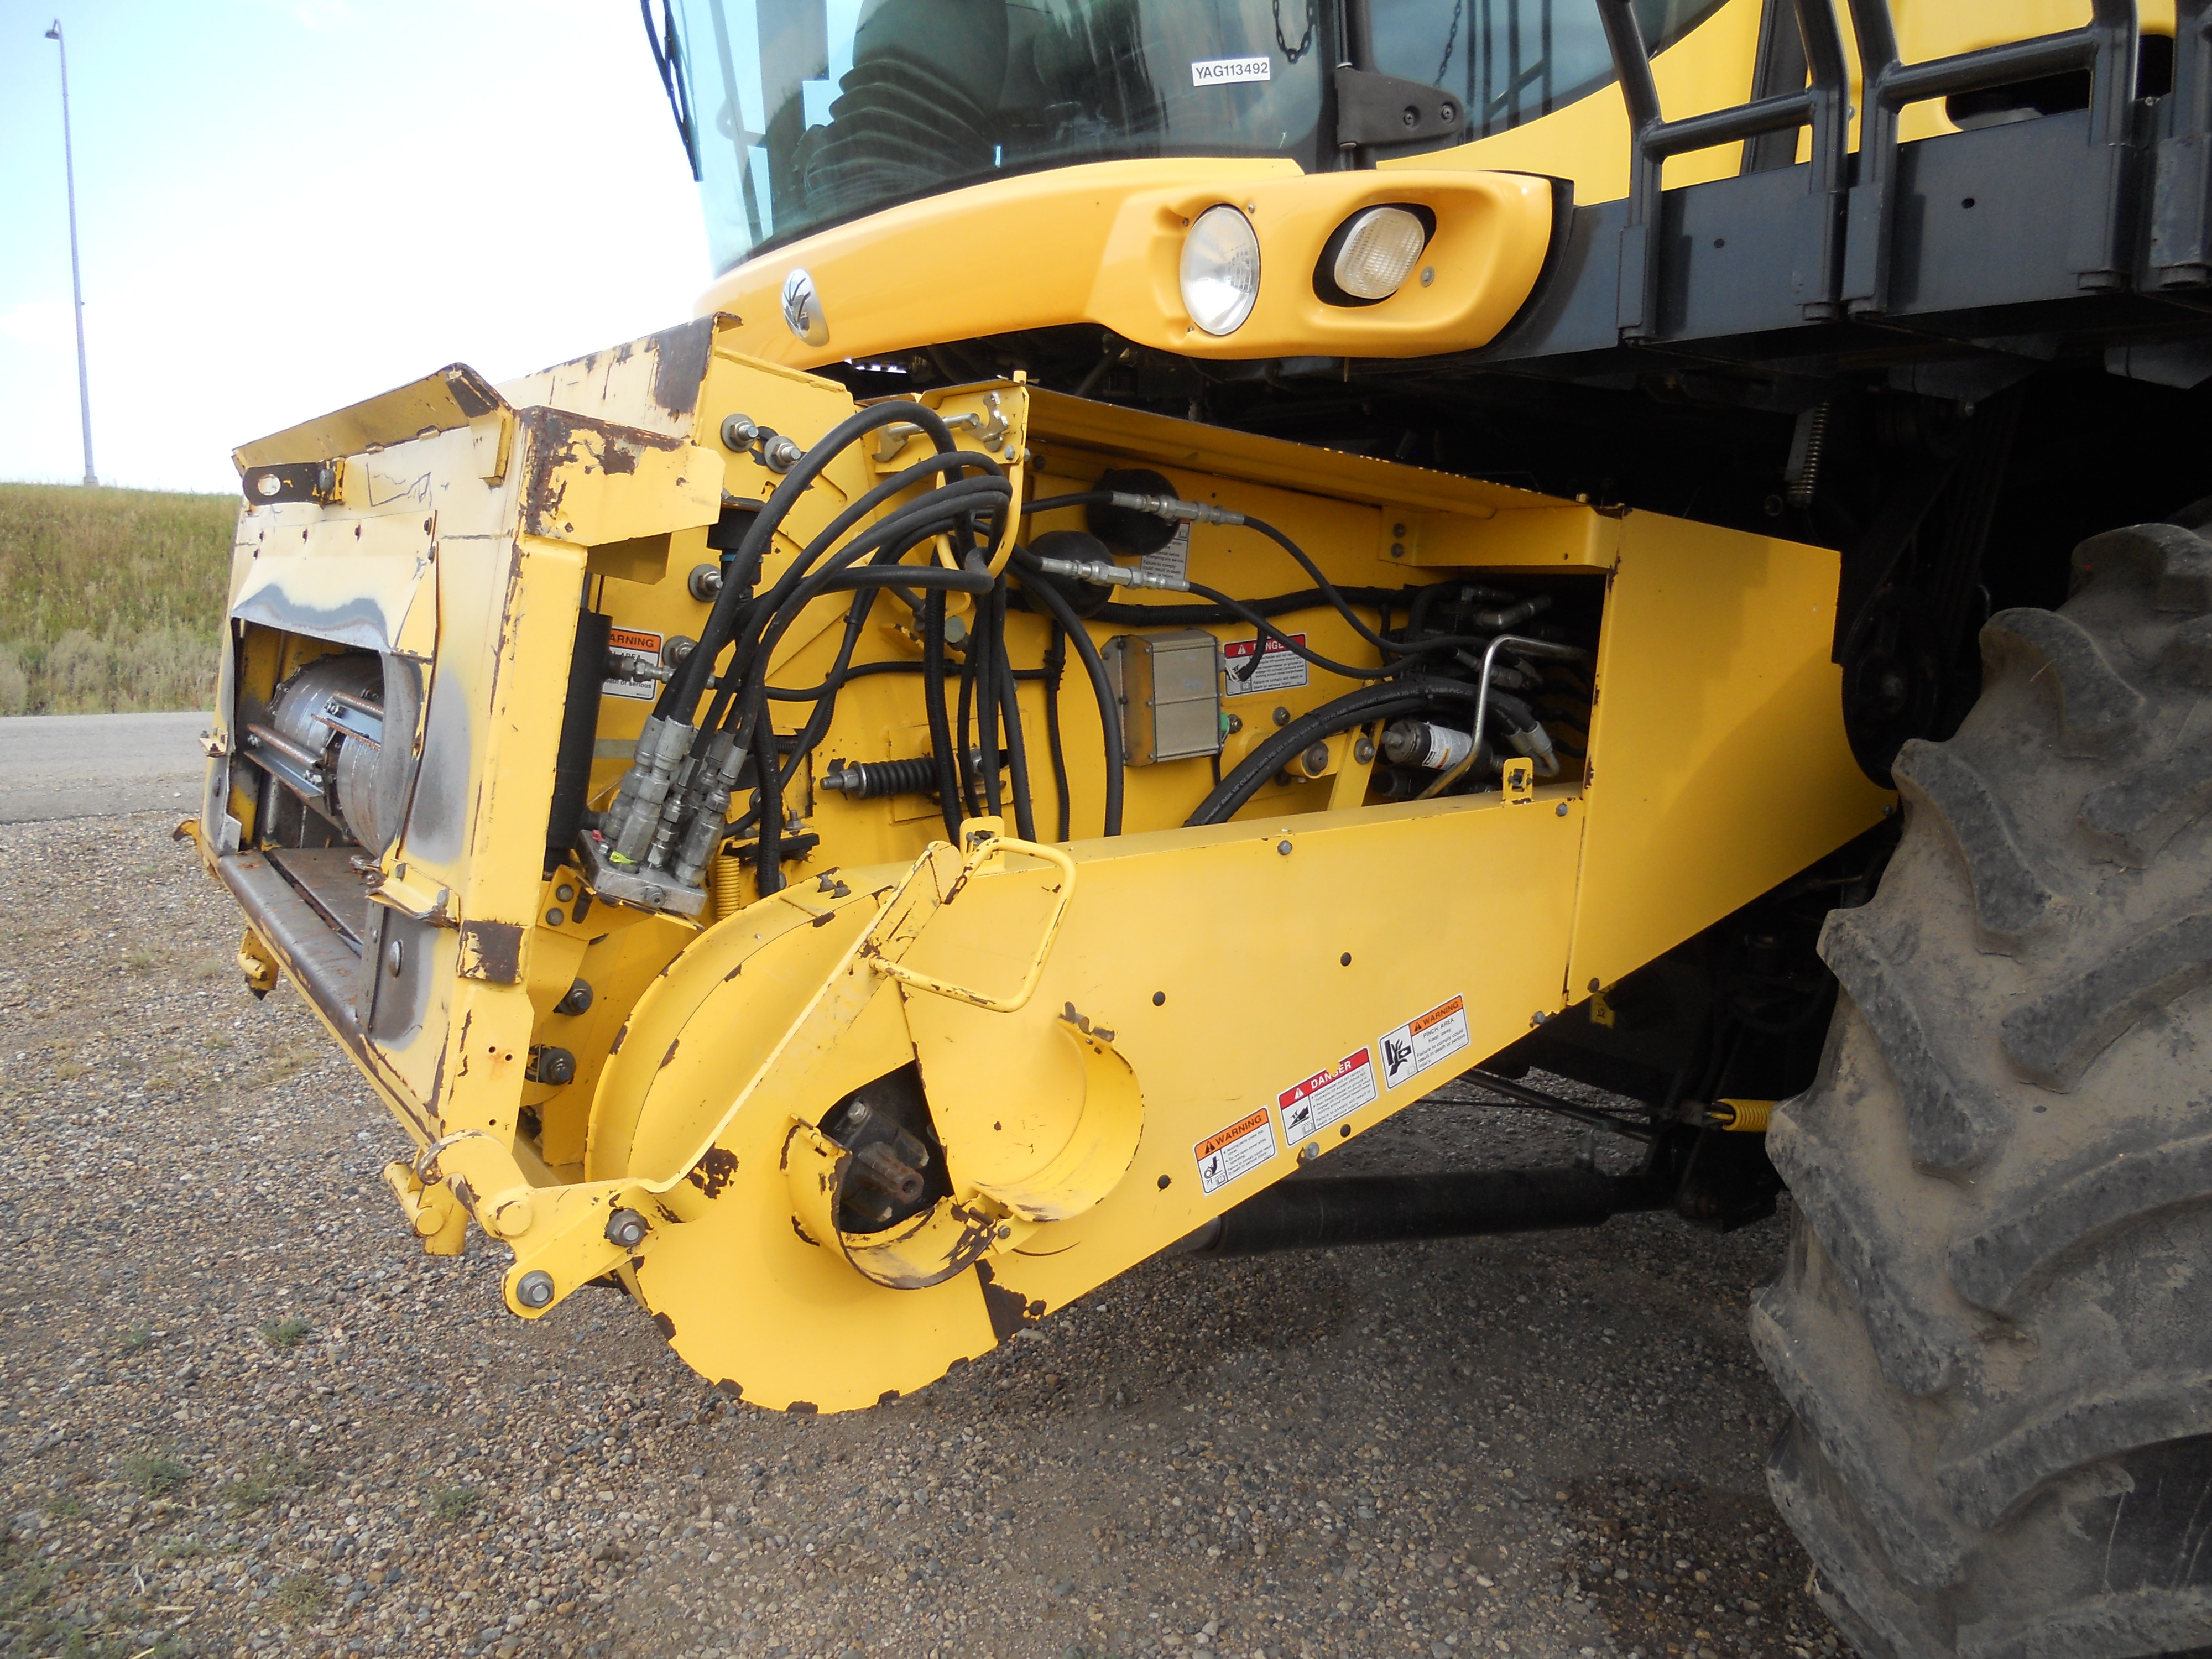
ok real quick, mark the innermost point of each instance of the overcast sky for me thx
(287, 205)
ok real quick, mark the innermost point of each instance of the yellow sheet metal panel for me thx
(1719, 766)
(1101, 243)
(1158, 953)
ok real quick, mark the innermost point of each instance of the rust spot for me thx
(665, 1325)
(804, 1237)
(671, 1054)
(680, 357)
(733, 973)
(824, 920)
(1009, 1310)
(713, 1172)
(614, 1048)
(667, 1214)
(491, 951)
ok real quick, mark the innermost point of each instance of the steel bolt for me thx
(392, 958)
(1284, 848)
(1363, 750)
(535, 1289)
(781, 453)
(1309, 1151)
(1315, 760)
(575, 999)
(1281, 715)
(738, 433)
(1560, 810)
(626, 1229)
(704, 582)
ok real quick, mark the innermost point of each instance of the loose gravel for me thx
(240, 1412)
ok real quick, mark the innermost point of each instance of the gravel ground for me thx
(238, 1412)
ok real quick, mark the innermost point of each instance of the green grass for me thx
(287, 1332)
(110, 598)
(454, 1502)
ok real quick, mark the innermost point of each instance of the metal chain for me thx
(1291, 53)
(1459, 7)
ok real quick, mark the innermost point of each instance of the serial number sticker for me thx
(1238, 1150)
(1226, 72)
(1280, 669)
(1420, 1043)
(1173, 559)
(632, 643)
(1308, 1108)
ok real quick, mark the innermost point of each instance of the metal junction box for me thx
(1169, 686)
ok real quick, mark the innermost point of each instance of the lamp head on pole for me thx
(55, 32)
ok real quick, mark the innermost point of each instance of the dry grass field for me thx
(110, 599)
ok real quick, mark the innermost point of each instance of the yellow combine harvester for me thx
(1206, 568)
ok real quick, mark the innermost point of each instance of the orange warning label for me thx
(1242, 1147)
(631, 639)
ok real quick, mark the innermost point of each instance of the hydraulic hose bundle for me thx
(673, 812)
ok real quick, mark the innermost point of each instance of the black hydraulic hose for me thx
(1055, 659)
(901, 531)
(861, 671)
(1017, 754)
(872, 579)
(971, 804)
(1265, 630)
(681, 695)
(1368, 702)
(767, 851)
(1327, 587)
(1200, 616)
(1034, 580)
(933, 698)
(986, 644)
(764, 620)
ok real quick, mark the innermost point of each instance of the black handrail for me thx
(2106, 46)
(1822, 105)
(2180, 252)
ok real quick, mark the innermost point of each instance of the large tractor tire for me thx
(1993, 1326)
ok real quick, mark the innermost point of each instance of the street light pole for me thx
(76, 276)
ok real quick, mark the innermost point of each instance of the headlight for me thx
(1378, 253)
(1220, 269)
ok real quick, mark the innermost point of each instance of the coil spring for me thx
(873, 780)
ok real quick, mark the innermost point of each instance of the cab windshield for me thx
(813, 112)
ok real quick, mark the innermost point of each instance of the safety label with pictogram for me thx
(1172, 561)
(1280, 668)
(1308, 1108)
(1241, 1148)
(1419, 1043)
(632, 649)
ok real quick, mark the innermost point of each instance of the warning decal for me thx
(1280, 668)
(1242, 1147)
(1308, 1108)
(632, 647)
(1172, 560)
(1420, 1043)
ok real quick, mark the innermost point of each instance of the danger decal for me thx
(1238, 1150)
(1421, 1042)
(1309, 1107)
(1280, 668)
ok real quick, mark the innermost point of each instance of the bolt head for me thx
(535, 1289)
(1284, 848)
(738, 433)
(626, 1229)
